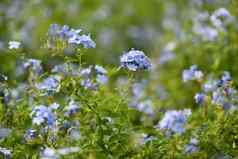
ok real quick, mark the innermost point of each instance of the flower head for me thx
(135, 60)
(192, 74)
(34, 64)
(72, 108)
(43, 114)
(220, 17)
(192, 146)
(14, 44)
(199, 98)
(71, 35)
(52, 83)
(174, 120)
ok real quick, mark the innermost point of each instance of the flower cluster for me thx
(174, 121)
(193, 73)
(71, 35)
(43, 114)
(135, 60)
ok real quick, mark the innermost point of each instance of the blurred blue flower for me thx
(71, 35)
(226, 78)
(192, 74)
(192, 146)
(49, 153)
(220, 17)
(13, 44)
(51, 84)
(85, 40)
(210, 86)
(135, 60)
(199, 98)
(72, 108)
(101, 77)
(218, 97)
(30, 134)
(174, 120)
(34, 64)
(100, 70)
(43, 114)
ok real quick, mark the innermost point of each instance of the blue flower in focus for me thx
(192, 74)
(43, 114)
(135, 60)
(199, 98)
(174, 121)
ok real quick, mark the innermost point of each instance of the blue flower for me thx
(226, 78)
(14, 44)
(85, 40)
(192, 74)
(221, 17)
(210, 85)
(34, 64)
(71, 35)
(101, 77)
(135, 60)
(30, 134)
(51, 84)
(43, 114)
(72, 108)
(174, 121)
(100, 70)
(192, 146)
(218, 97)
(199, 98)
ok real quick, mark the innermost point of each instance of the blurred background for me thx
(165, 30)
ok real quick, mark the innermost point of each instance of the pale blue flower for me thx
(72, 108)
(210, 85)
(6, 153)
(30, 134)
(13, 44)
(43, 114)
(135, 60)
(192, 146)
(102, 79)
(226, 78)
(199, 98)
(146, 107)
(71, 35)
(192, 74)
(51, 84)
(220, 17)
(34, 64)
(174, 121)
(49, 153)
(85, 40)
(218, 97)
(100, 70)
